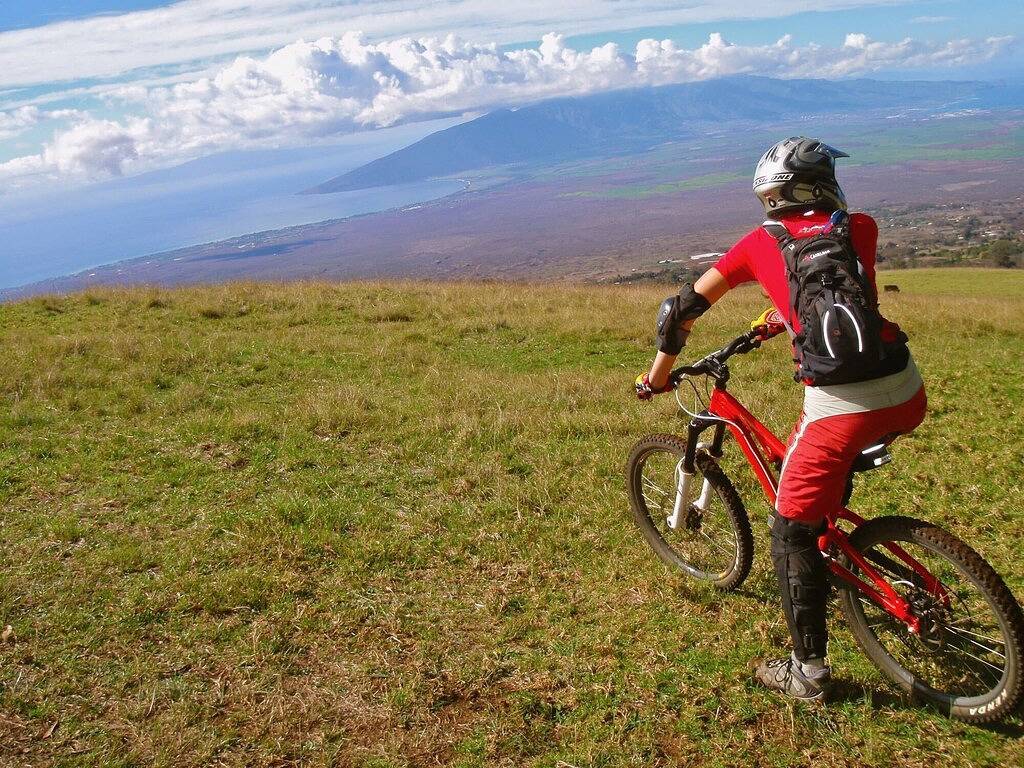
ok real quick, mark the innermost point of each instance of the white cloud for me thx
(310, 90)
(110, 92)
(94, 147)
(194, 31)
(16, 121)
(662, 62)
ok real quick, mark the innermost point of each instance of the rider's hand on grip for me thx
(769, 324)
(645, 391)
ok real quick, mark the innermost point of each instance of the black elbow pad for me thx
(676, 310)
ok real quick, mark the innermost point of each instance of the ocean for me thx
(52, 232)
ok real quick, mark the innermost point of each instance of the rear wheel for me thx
(712, 540)
(967, 657)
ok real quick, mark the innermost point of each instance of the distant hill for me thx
(634, 120)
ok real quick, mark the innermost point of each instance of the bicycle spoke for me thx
(953, 626)
(967, 653)
(993, 675)
(654, 486)
(893, 570)
(658, 504)
(985, 648)
(961, 667)
(712, 527)
(889, 621)
(917, 665)
(897, 629)
(716, 545)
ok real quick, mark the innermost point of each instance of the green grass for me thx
(682, 165)
(385, 525)
(955, 282)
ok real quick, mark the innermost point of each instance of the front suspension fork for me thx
(687, 468)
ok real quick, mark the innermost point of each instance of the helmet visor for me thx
(832, 152)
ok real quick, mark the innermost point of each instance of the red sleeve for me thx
(736, 265)
(864, 234)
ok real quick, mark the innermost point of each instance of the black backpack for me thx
(840, 340)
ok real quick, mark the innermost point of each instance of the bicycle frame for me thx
(763, 450)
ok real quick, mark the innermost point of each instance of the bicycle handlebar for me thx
(712, 364)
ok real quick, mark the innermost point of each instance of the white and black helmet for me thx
(797, 173)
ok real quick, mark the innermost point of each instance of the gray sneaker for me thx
(789, 677)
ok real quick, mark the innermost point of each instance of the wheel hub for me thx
(693, 518)
(933, 616)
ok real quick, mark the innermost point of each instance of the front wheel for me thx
(967, 657)
(711, 540)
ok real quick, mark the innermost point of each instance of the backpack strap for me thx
(781, 235)
(783, 239)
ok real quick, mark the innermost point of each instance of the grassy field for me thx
(951, 284)
(683, 165)
(385, 525)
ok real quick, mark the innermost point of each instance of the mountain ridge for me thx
(632, 120)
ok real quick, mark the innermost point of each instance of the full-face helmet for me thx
(798, 173)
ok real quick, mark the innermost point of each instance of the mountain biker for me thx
(795, 182)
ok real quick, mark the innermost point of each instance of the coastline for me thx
(105, 271)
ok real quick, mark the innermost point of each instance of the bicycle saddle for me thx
(871, 458)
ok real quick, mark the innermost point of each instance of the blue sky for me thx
(936, 19)
(97, 88)
(34, 14)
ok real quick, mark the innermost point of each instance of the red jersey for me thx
(757, 256)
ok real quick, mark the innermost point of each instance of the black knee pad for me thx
(803, 584)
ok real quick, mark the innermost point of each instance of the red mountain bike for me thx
(927, 610)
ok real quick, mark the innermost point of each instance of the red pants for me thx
(821, 453)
